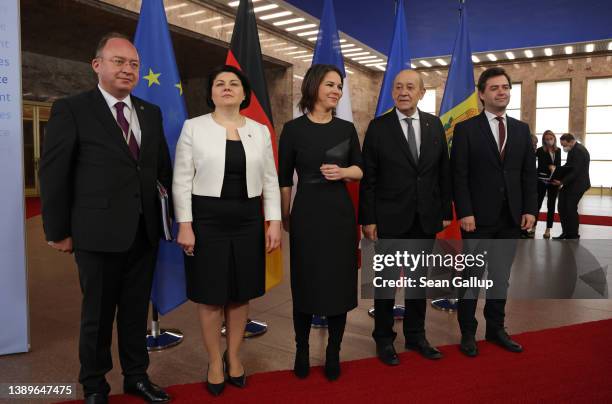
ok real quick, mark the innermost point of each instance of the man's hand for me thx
(369, 231)
(468, 223)
(446, 223)
(64, 245)
(527, 222)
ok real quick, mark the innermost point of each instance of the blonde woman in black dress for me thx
(324, 150)
(224, 165)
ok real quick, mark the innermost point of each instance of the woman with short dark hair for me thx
(224, 165)
(324, 150)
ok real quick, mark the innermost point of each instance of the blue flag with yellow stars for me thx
(160, 84)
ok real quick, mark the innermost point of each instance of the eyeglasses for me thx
(120, 62)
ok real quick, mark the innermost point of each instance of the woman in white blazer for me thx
(224, 164)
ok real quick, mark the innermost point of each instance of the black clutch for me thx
(339, 154)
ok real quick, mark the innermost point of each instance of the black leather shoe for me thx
(387, 354)
(215, 388)
(572, 236)
(96, 398)
(238, 381)
(468, 345)
(424, 348)
(301, 367)
(559, 237)
(502, 339)
(148, 391)
(332, 364)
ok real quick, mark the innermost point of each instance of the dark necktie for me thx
(125, 126)
(411, 138)
(502, 136)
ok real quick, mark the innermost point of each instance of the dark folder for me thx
(560, 173)
(162, 193)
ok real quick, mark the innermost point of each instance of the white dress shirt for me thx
(494, 123)
(416, 125)
(127, 112)
(199, 165)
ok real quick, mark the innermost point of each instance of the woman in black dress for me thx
(549, 157)
(224, 164)
(324, 150)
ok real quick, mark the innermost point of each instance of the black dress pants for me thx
(551, 191)
(568, 212)
(499, 270)
(115, 283)
(415, 302)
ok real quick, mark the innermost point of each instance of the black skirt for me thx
(229, 255)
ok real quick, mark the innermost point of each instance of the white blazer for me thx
(199, 165)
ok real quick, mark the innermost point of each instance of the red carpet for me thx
(584, 219)
(32, 207)
(567, 364)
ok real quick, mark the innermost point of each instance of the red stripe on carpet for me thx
(567, 364)
(584, 219)
(32, 207)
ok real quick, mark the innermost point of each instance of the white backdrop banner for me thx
(13, 277)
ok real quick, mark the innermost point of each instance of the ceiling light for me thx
(425, 63)
(289, 21)
(357, 54)
(349, 51)
(209, 20)
(369, 63)
(266, 40)
(348, 45)
(303, 56)
(475, 59)
(609, 45)
(174, 7)
(348, 71)
(298, 77)
(296, 52)
(236, 3)
(342, 40)
(589, 47)
(548, 52)
(510, 55)
(312, 39)
(265, 8)
(364, 57)
(491, 57)
(308, 33)
(413, 66)
(275, 15)
(287, 48)
(569, 50)
(363, 62)
(529, 53)
(300, 27)
(192, 14)
(275, 45)
(229, 24)
(379, 67)
(425, 74)
(441, 62)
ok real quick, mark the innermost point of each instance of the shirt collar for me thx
(402, 116)
(111, 101)
(491, 117)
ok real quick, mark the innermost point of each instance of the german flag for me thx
(245, 54)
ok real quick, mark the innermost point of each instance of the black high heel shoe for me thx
(215, 388)
(239, 381)
(301, 367)
(332, 364)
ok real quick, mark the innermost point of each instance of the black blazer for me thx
(92, 189)
(394, 188)
(544, 160)
(578, 180)
(482, 181)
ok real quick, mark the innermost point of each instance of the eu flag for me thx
(397, 60)
(160, 84)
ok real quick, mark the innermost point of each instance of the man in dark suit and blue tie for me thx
(405, 193)
(494, 189)
(103, 154)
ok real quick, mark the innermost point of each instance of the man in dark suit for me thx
(405, 194)
(573, 186)
(104, 150)
(494, 189)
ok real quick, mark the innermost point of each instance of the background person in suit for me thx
(224, 164)
(103, 152)
(494, 189)
(572, 186)
(405, 194)
(549, 158)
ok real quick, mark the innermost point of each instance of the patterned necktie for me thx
(411, 138)
(125, 126)
(502, 136)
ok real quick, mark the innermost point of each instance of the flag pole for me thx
(158, 338)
